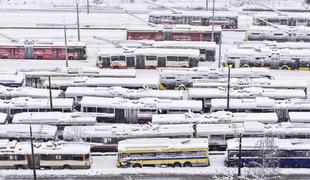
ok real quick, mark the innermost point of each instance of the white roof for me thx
(175, 28)
(82, 71)
(158, 144)
(286, 15)
(142, 103)
(43, 148)
(3, 117)
(127, 131)
(299, 117)
(282, 144)
(53, 118)
(25, 102)
(261, 103)
(194, 13)
(11, 78)
(46, 43)
(149, 52)
(122, 92)
(214, 117)
(22, 131)
(9, 92)
(97, 82)
(251, 92)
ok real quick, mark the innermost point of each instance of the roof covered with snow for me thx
(9, 92)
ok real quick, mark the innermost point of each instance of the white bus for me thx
(225, 19)
(104, 137)
(289, 19)
(21, 132)
(3, 118)
(78, 92)
(12, 92)
(147, 58)
(49, 155)
(263, 104)
(163, 152)
(11, 79)
(37, 76)
(133, 83)
(54, 118)
(138, 110)
(214, 118)
(24, 104)
(207, 50)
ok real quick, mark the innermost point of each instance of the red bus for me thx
(36, 50)
(174, 33)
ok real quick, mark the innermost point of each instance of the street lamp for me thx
(239, 161)
(212, 37)
(32, 155)
(78, 20)
(228, 87)
(66, 46)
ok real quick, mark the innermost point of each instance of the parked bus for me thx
(214, 118)
(54, 118)
(138, 110)
(78, 92)
(104, 137)
(49, 155)
(132, 83)
(21, 132)
(147, 58)
(273, 152)
(285, 59)
(174, 33)
(11, 92)
(36, 77)
(279, 33)
(163, 152)
(11, 79)
(24, 104)
(262, 104)
(43, 50)
(207, 50)
(289, 19)
(225, 19)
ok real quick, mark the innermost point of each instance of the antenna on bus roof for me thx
(8, 37)
(165, 7)
(116, 44)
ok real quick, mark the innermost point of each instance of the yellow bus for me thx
(152, 152)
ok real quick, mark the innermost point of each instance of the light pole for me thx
(239, 160)
(32, 155)
(78, 21)
(87, 6)
(212, 35)
(66, 46)
(228, 88)
(207, 5)
(220, 51)
(50, 90)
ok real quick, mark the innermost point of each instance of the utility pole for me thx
(32, 156)
(212, 36)
(78, 20)
(50, 88)
(66, 46)
(87, 6)
(239, 161)
(220, 51)
(207, 5)
(228, 88)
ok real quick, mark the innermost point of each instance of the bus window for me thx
(172, 58)
(202, 51)
(115, 58)
(181, 58)
(151, 58)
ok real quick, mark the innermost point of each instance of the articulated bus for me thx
(269, 152)
(138, 153)
(147, 58)
(174, 33)
(289, 19)
(49, 155)
(225, 19)
(43, 50)
(285, 59)
(207, 50)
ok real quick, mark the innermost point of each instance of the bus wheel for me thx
(71, 58)
(39, 57)
(115, 67)
(151, 67)
(67, 166)
(177, 164)
(19, 167)
(5, 57)
(284, 67)
(137, 165)
(187, 164)
(181, 87)
(245, 65)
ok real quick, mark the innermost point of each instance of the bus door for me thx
(210, 55)
(106, 62)
(161, 62)
(132, 115)
(120, 116)
(28, 52)
(140, 62)
(296, 62)
(36, 160)
(205, 22)
(130, 62)
(193, 62)
(167, 35)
